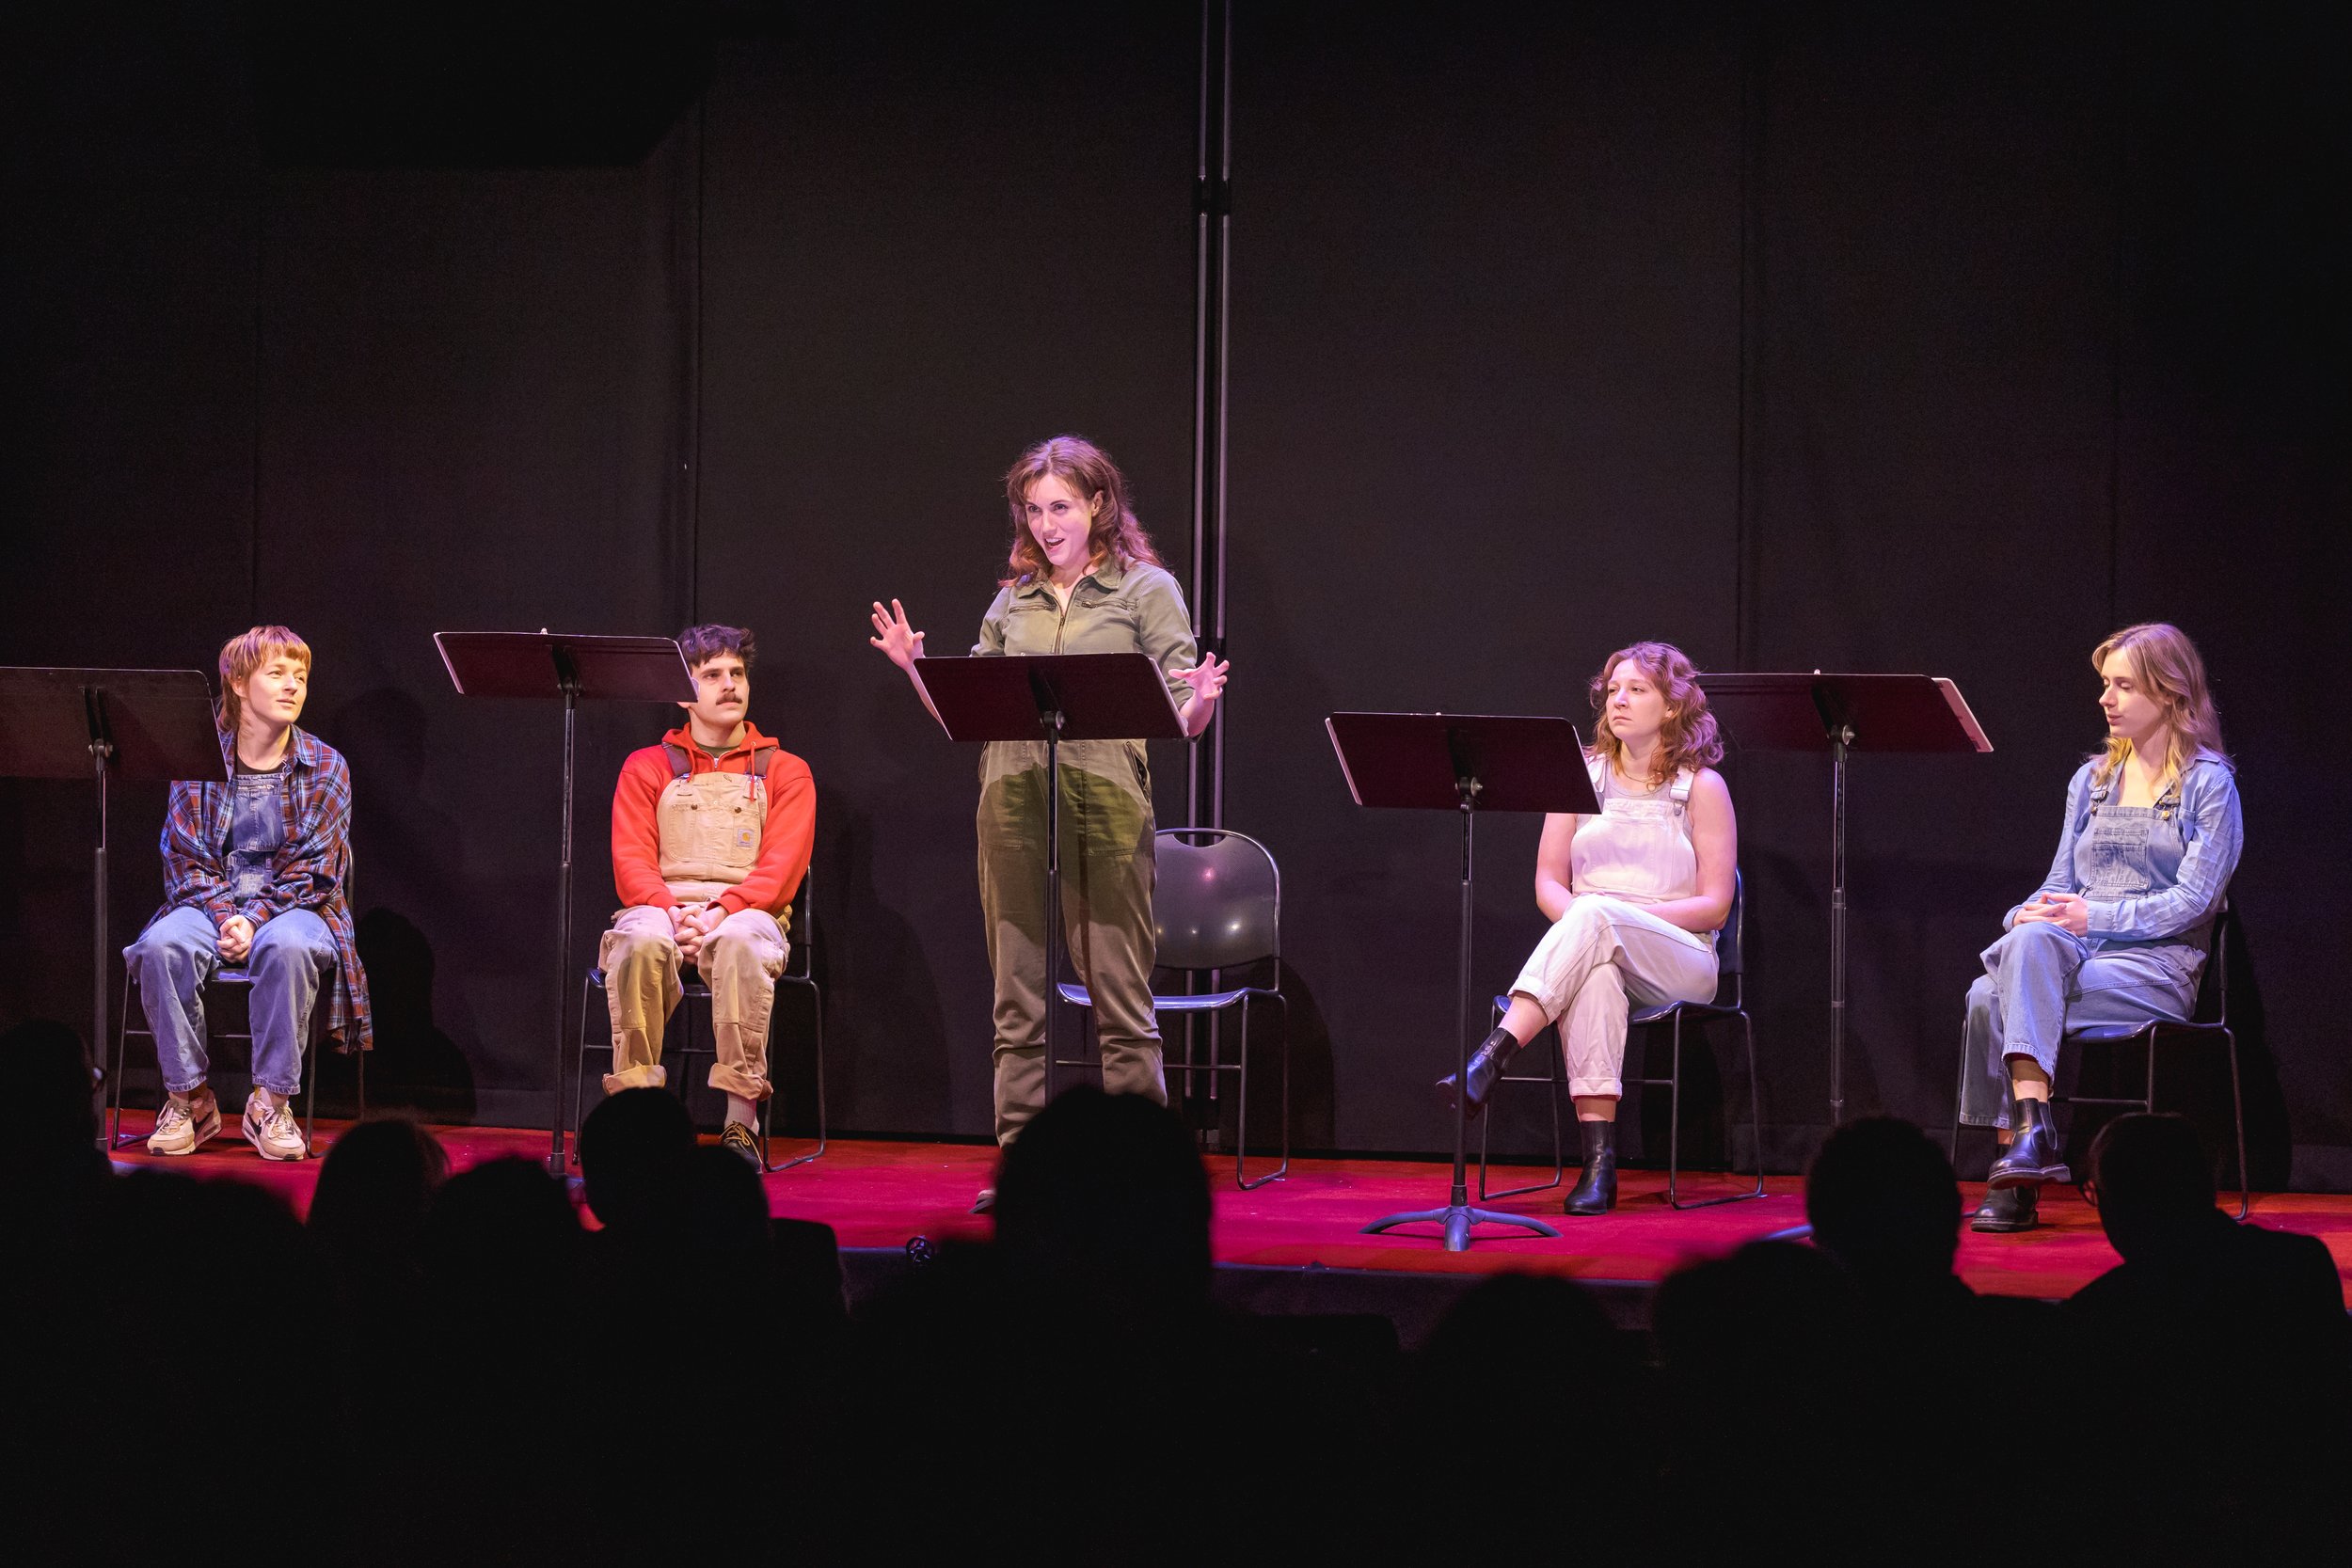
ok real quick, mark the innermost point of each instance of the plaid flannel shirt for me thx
(310, 872)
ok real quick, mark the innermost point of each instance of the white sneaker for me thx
(184, 1126)
(273, 1132)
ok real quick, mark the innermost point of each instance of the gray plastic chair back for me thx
(1217, 899)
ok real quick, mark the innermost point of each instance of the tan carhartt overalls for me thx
(709, 826)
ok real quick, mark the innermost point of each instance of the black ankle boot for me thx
(2033, 1155)
(1596, 1189)
(1486, 1065)
(2007, 1208)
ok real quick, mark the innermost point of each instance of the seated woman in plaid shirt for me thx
(254, 866)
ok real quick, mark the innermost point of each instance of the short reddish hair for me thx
(244, 654)
(1689, 738)
(1088, 469)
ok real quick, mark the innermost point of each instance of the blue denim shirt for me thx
(2170, 897)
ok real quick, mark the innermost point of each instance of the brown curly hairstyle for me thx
(1088, 469)
(1688, 738)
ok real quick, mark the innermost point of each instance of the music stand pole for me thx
(1422, 761)
(105, 725)
(1840, 738)
(102, 752)
(1050, 719)
(1059, 697)
(1803, 711)
(567, 681)
(538, 665)
(1457, 1216)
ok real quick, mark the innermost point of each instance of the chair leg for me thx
(1241, 1125)
(310, 1099)
(1241, 1108)
(1960, 1089)
(580, 1070)
(1755, 1104)
(2237, 1117)
(1285, 1026)
(1556, 1090)
(817, 1031)
(1756, 1125)
(1486, 1124)
(1554, 1083)
(1674, 1114)
(360, 1068)
(123, 1061)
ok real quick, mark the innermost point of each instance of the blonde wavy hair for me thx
(2166, 665)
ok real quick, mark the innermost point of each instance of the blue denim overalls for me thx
(2042, 980)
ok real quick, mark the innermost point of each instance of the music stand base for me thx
(1457, 1218)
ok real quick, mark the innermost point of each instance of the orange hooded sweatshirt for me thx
(786, 836)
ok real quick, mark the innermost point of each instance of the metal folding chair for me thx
(236, 982)
(2214, 997)
(799, 974)
(1731, 967)
(1218, 906)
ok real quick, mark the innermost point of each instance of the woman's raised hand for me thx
(1207, 679)
(901, 643)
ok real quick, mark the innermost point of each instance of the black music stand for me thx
(539, 665)
(145, 725)
(1462, 763)
(1053, 698)
(1805, 713)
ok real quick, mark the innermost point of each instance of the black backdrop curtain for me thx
(1943, 338)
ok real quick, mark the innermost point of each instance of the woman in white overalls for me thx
(1635, 897)
(2119, 929)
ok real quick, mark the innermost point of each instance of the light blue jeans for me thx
(292, 955)
(2042, 980)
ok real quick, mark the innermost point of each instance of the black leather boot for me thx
(1595, 1188)
(2033, 1155)
(2007, 1208)
(1486, 1065)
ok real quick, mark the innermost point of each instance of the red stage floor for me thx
(878, 1193)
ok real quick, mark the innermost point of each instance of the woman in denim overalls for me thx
(1082, 578)
(2119, 931)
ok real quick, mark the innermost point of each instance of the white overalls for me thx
(1607, 954)
(709, 826)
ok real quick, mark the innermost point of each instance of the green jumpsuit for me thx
(1106, 828)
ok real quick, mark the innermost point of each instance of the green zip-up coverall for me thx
(1106, 826)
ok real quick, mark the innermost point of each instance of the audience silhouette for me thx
(2216, 1352)
(476, 1365)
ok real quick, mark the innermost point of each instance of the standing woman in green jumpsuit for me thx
(1082, 579)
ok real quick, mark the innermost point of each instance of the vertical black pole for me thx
(1462, 1018)
(102, 964)
(1204, 778)
(1840, 739)
(1212, 224)
(1053, 891)
(568, 679)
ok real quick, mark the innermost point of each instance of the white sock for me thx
(743, 1109)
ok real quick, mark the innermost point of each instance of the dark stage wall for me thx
(1942, 340)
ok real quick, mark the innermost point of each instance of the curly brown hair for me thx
(1088, 469)
(1688, 738)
